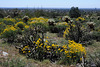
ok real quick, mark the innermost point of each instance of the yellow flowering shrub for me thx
(25, 49)
(40, 19)
(20, 25)
(68, 28)
(9, 32)
(39, 22)
(9, 21)
(18, 19)
(43, 49)
(66, 31)
(61, 23)
(9, 29)
(76, 47)
(80, 19)
(26, 26)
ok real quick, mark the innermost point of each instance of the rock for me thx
(93, 64)
(78, 65)
(3, 54)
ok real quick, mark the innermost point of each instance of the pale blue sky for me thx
(51, 3)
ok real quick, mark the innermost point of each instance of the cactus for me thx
(8, 16)
(25, 18)
(51, 22)
(91, 25)
(98, 18)
(66, 19)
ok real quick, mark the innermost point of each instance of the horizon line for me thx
(53, 7)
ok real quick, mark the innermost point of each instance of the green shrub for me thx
(9, 33)
(53, 29)
(74, 12)
(2, 26)
(34, 46)
(60, 29)
(42, 26)
(20, 25)
(9, 21)
(75, 31)
(96, 36)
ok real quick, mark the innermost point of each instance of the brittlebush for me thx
(71, 51)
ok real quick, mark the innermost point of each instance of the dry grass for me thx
(55, 39)
(94, 47)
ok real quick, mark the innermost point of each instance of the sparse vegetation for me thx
(63, 40)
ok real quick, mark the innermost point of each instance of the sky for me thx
(50, 3)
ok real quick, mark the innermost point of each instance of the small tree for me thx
(74, 12)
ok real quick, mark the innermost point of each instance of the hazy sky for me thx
(51, 3)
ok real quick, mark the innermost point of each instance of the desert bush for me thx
(18, 19)
(57, 29)
(9, 33)
(80, 19)
(52, 26)
(73, 53)
(24, 37)
(60, 28)
(68, 53)
(21, 31)
(20, 25)
(2, 26)
(9, 21)
(97, 29)
(75, 31)
(35, 47)
(42, 26)
(70, 28)
(96, 36)
(39, 22)
(53, 29)
(40, 19)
